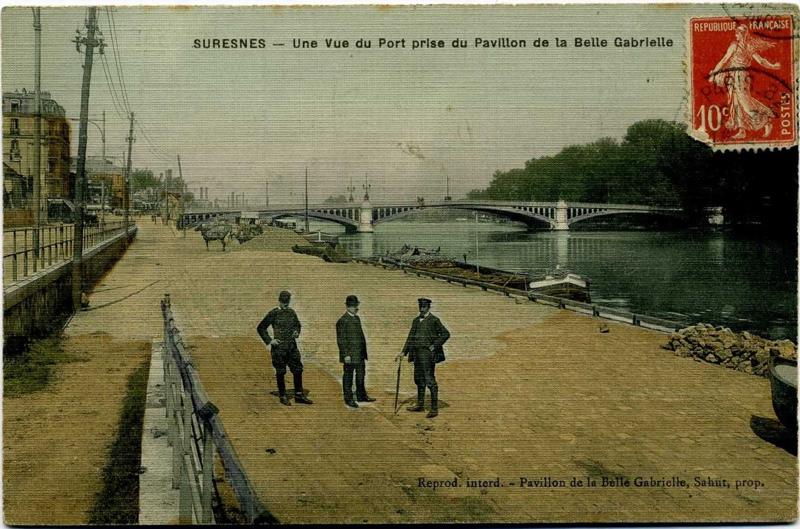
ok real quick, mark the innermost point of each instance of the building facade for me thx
(18, 150)
(100, 172)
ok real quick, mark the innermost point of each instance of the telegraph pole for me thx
(307, 230)
(77, 255)
(104, 138)
(37, 131)
(128, 178)
(183, 195)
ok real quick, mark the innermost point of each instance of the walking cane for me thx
(397, 389)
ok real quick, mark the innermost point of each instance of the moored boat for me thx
(560, 284)
(783, 381)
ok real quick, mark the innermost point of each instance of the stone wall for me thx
(720, 345)
(36, 306)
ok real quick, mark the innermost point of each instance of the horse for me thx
(245, 232)
(216, 232)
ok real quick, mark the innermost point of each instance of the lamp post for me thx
(102, 131)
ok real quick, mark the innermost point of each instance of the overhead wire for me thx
(119, 92)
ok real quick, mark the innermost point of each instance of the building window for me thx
(14, 126)
(15, 105)
(14, 150)
(51, 166)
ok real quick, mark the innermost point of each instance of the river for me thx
(741, 282)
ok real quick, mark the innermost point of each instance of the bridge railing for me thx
(195, 433)
(21, 259)
(591, 309)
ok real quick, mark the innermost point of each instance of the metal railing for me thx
(21, 259)
(609, 313)
(195, 432)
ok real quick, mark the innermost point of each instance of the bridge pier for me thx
(365, 217)
(560, 223)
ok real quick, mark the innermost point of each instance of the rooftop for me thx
(22, 102)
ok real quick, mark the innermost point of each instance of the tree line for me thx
(658, 164)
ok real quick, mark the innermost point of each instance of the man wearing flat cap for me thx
(424, 347)
(352, 353)
(286, 327)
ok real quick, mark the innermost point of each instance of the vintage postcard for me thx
(375, 264)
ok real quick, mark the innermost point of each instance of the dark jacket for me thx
(425, 333)
(350, 338)
(284, 323)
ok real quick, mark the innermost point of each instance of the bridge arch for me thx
(533, 218)
(350, 225)
(580, 216)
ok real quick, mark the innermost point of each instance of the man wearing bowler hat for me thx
(286, 327)
(352, 353)
(424, 347)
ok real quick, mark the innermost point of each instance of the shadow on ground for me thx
(775, 433)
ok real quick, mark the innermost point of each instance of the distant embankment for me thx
(33, 306)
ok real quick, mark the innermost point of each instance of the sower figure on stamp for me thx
(424, 347)
(286, 327)
(352, 353)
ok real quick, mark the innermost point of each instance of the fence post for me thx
(35, 257)
(41, 246)
(185, 501)
(208, 471)
(177, 444)
(14, 258)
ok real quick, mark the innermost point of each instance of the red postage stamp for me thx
(742, 81)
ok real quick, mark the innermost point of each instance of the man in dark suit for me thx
(286, 327)
(352, 353)
(424, 347)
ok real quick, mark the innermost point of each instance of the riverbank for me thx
(528, 391)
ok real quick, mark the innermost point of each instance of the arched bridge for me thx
(364, 216)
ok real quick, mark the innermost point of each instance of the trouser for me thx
(360, 369)
(283, 357)
(425, 376)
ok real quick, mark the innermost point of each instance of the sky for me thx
(408, 119)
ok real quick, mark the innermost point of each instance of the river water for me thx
(745, 283)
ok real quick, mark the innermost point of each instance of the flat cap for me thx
(424, 302)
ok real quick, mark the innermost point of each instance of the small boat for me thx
(562, 284)
(783, 380)
(318, 237)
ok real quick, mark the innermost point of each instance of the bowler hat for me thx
(424, 302)
(284, 297)
(351, 301)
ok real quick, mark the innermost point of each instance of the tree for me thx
(144, 179)
(339, 199)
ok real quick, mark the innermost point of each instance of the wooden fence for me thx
(195, 432)
(592, 309)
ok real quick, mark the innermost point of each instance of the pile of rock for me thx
(720, 345)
